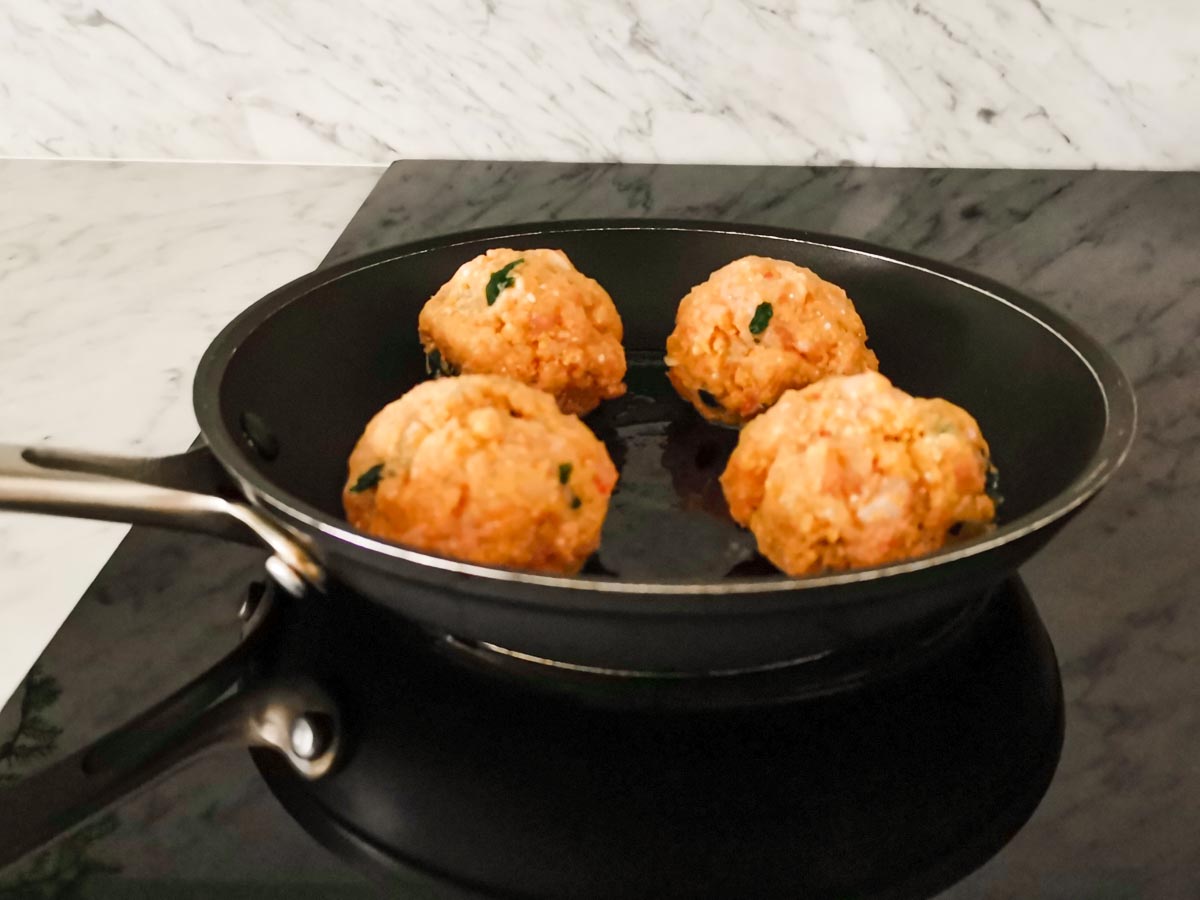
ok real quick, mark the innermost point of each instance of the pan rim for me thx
(1116, 392)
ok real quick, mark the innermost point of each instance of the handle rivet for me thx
(259, 436)
(254, 597)
(285, 576)
(311, 735)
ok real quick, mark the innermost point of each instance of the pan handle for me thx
(147, 492)
(293, 716)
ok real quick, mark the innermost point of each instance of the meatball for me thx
(756, 328)
(533, 316)
(852, 471)
(485, 469)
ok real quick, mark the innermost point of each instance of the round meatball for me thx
(485, 469)
(756, 328)
(533, 316)
(852, 471)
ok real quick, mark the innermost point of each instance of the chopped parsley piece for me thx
(437, 365)
(992, 486)
(368, 479)
(709, 400)
(500, 280)
(564, 472)
(575, 502)
(762, 318)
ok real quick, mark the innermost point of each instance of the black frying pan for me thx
(284, 391)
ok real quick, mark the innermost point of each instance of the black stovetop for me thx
(1115, 251)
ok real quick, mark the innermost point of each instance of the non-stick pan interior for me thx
(324, 362)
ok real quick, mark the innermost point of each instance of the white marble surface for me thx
(113, 279)
(1046, 83)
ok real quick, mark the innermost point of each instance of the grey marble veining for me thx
(1055, 83)
(113, 279)
(1115, 251)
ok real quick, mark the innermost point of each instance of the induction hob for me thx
(165, 607)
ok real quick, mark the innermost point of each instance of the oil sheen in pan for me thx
(667, 517)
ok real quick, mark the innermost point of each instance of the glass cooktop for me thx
(1116, 822)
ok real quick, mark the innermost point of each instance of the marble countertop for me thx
(1049, 83)
(113, 279)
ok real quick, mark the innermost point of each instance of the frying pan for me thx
(285, 389)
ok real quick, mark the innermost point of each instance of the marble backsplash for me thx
(1040, 84)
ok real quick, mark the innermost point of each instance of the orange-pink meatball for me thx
(530, 315)
(852, 472)
(485, 469)
(756, 328)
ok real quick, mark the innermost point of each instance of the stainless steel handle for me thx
(137, 491)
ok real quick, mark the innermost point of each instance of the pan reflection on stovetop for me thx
(482, 774)
(467, 772)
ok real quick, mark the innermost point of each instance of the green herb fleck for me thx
(709, 400)
(500, 280)
(564, 472)
(575, 502)
(437, 365)
(992, 485)
(762, 318)
(368, 479)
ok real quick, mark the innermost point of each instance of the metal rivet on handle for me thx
(254, 595)
(311, 734)
(285, 576)
(259, 436)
